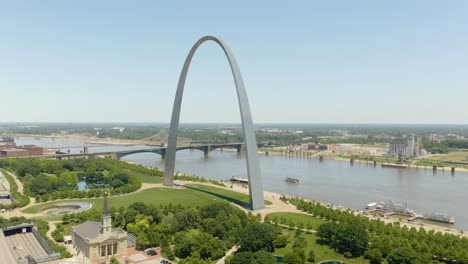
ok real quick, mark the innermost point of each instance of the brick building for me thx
(33, 150)
(13, 152)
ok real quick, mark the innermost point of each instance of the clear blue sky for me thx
(307, 62)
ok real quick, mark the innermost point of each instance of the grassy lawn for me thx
(145, 178)
(452, 156)
(298, 218)
(194, 195)
(322, 252)
(231, 196)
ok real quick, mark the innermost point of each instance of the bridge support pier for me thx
(206, 150)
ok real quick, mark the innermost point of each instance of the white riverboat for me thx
(239, 179)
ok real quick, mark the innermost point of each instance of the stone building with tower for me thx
(100, 240)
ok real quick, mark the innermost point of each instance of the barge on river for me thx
(292, 180)
(239, 179)
(394, 165)
(438, 217)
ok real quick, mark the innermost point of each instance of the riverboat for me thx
(440, 218)
(292, 180)
(394, 165)
(239, 179)
(391, 207)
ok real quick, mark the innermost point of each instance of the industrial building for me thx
(408, 147)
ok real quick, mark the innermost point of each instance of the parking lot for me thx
(142, 257)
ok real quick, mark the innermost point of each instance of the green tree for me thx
(168, 253)
(294, 257)
(344, 237)
(300, 243)
(374, 255)
(194, 259)
(311, 257)
(70, 179)
(281, 241)
(258, 236)
(260, 257)
(404, 255)
(188, 218)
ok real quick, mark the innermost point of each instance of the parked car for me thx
(151, 252)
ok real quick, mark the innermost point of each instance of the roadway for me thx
(23, 245)
(4, 189)
(6, 255)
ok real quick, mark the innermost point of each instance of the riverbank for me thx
(327, 156)
(272, 196)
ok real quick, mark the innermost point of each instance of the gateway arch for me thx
(253, 167)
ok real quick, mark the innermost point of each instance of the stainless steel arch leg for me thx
(253, 166)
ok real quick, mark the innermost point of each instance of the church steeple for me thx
(106, 218)
(106, 205)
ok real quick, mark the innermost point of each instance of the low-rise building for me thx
(33, 150)
(13, 153)
(100, 240)
(317, 147)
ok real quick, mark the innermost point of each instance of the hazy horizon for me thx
(226, 123)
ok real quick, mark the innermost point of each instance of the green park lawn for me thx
(231, 196)
(297, 218)
(451, 156)
(322, 252)
(193, 194)
(145, 178)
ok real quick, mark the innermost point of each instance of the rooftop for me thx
(91, 230)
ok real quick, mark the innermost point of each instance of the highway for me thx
(4, 189)
(25, 244)
(5, 251)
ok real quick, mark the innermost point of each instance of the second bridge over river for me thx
(206, 148)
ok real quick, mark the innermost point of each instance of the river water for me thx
(330, 181)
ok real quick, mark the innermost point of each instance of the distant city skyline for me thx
(365, 62)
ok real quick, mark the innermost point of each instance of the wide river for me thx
(330, 181)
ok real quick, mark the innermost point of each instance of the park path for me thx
(52, 228)
(229, 253)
